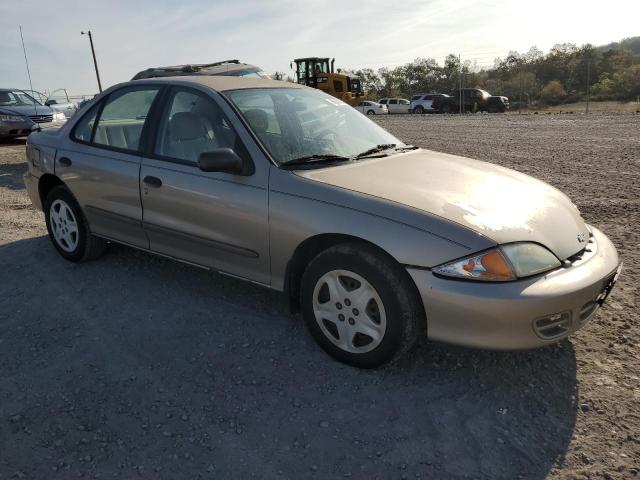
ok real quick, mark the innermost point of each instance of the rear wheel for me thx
(68, 229)
(370, 112)
(446, 108)
(419, 109)
(360, 306)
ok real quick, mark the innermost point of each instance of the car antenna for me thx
(35, 109)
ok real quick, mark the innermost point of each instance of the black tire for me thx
(400, 301)
(419, 109)
(370, 112)
(88, 246)
(446, 108)
(492, 109)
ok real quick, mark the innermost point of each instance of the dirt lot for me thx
(138, 367)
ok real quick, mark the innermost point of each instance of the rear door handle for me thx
(153, 182)
(64, 161)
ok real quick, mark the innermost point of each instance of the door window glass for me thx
(393, 102)
(123, 116)
(193, 124)
(84, 128)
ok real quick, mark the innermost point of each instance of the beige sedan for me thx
(378, 243)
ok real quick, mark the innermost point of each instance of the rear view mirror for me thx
(220, 160)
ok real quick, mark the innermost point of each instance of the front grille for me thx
(41, 118)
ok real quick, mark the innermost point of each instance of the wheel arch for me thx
(45, 184)
(314, 245)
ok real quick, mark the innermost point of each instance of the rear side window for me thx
(393, 102)
(123, 116)
(415, 97)
(84, 128)
(428, 97)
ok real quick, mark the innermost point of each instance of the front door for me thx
(213, 219)
(100, 164)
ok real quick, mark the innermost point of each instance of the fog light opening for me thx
(553, 326)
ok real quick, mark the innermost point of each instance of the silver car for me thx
(377, 242)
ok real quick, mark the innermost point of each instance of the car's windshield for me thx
(16, 98)
(294, 123)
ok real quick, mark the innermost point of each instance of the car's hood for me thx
(27, 110)
(505, 205)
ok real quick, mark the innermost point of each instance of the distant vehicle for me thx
(423, 102)
(59, 100)
(473, 100)
(369, 107)
(232, 68)
(317, 72)
(396, 105)
(21, 114)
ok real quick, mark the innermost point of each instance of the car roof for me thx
(221, 83)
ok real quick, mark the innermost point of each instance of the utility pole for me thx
(460, 66)
(95, 63)
(588, 84)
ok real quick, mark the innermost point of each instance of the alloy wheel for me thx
(349, 311)
(64, 225)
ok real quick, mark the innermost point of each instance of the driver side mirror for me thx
(48, 103)
(221, 160)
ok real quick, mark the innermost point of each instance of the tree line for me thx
(567, 73)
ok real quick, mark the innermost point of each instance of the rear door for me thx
(393, 105)
(213, 219)
(100, 163)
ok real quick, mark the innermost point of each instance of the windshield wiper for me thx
(376, 149)
(317, 158)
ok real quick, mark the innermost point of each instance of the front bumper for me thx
(23, 129)
(518, 315)
(31, 183)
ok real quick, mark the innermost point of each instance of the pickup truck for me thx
(473, 100)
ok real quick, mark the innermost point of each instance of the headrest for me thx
(258, 120)
(186, 126)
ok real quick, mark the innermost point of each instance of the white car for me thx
(369, 107)
(423, 102)
(396, 105)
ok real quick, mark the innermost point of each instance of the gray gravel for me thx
(134, 366)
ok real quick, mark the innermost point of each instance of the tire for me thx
(419, 109)
(366, 332)
(446, 108)
(68, 227)
(370, 112)
(492, 109)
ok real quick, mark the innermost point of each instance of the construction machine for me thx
(318, 73)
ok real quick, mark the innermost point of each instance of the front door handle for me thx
(153, 182)
(64, 161)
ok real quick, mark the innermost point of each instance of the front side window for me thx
(123, 116)
(393, 102)
(193, 124)
(292, 123)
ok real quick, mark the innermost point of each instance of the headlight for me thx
(508, 262)
(59, 116)
(11, 118)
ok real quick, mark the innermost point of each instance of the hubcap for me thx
(63, 225)
(366, 318)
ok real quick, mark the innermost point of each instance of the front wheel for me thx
(360, 306)
(370, 112)
(68, 229)
(419, 110)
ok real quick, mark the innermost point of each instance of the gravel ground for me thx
(134, 366)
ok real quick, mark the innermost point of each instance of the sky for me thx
(132, 35)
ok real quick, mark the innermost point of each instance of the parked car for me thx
(234, 68)
(370, 107)
(396, 105)
(473, 100)
(423, 102)
(21, 114)
(59, 100)
(376, 241)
